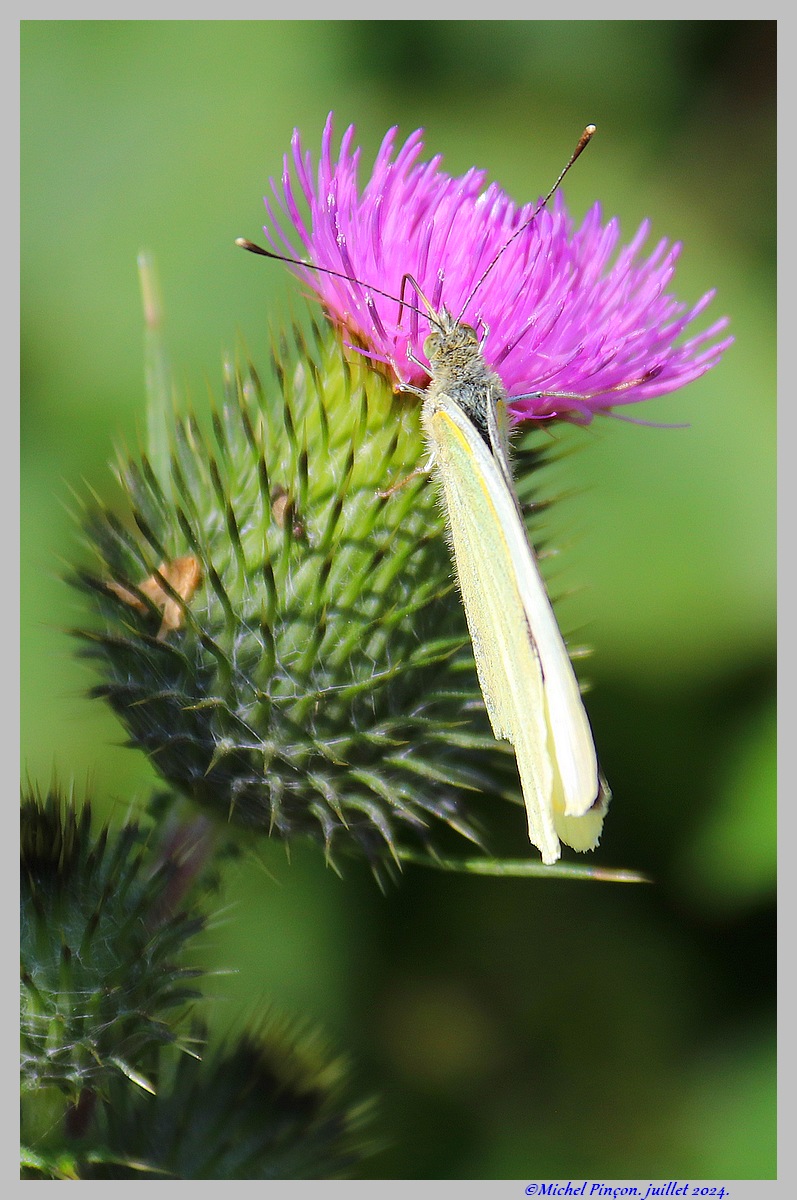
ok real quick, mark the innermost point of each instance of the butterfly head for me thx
(451, 344)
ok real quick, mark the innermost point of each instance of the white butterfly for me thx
(526, 677)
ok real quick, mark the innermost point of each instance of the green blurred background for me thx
(512, 1029)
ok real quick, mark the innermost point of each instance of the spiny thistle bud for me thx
(272, 1105)
(101, 978)
(281, 637)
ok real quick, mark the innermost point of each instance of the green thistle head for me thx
(270, 1105)
(283, 640)
(101, 977)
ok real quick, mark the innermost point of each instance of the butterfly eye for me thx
(431, 345)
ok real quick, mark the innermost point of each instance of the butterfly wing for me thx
(525, 673)
(572, 735)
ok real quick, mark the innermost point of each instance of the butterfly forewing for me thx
(519, 652)
(506, 661)
(570, 728)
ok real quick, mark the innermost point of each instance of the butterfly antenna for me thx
(253, 248)
(583, 142)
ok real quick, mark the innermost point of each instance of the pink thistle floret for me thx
(564, 310)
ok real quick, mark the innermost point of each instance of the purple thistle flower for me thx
(560, 315)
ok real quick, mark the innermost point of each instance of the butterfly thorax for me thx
(458, 369)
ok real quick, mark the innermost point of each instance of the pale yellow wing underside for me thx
(527, 680)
